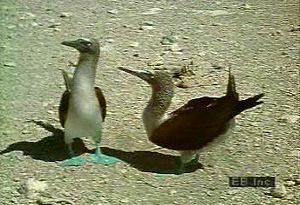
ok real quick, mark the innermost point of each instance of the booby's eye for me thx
(85, 42)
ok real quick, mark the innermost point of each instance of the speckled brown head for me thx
(84, 45)
(159, 80)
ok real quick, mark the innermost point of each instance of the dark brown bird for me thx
(194, 125)
(82, 107)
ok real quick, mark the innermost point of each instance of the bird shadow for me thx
(49, 149)
(53, 148)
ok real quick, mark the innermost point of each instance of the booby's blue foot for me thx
(103, 159)
(74, 161)
(100, 158)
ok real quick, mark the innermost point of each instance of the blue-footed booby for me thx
(82, 107)
(195, 124)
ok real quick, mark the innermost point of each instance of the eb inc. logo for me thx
(252, 181)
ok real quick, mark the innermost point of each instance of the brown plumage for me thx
(199, 122)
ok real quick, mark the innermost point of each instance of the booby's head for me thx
(84, 45)
(159, 80)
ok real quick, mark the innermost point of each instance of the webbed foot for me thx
(99, 158)
(74, 161)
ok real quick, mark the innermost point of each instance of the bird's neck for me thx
(85, 72)
(155, 112)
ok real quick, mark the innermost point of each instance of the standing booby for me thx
(195, 124)
(82, 107)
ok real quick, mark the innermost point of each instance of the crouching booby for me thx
(82, 107)
(195, 124)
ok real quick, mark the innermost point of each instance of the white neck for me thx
(84, 75)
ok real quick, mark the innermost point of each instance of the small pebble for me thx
(54, 25)
(65, 14)
(34, 24)
(168, 40)
(279, 191)
(33, 187)
(110, 40)
(145, 27)
(172, 192)
(290, 183)
(10, 64)
(152, 11)
(113, 11)
(134, 44)
(125, 200)
(25, 132)
(148, 23)
(175, 48)
(290, 118)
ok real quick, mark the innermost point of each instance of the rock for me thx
(297, 182)
(290, 118)
(217, 67)
(125, 200)
(145, 27)
(168, 40)
(54, 25)
(152, 11)
(11, 27)
(113, 11)
(213, 13)
(25, 132)
(32, 187)
(172, 192)
(279, 191)
(148, 23)
(159, 62)
(34, 24)
(290, 183)
(175, 48)
(10, 64)
(28, 15)
(110, 40)
(289, 197)
(56, 29)
(217, 12)
(65, 14)
(245, 6)
(293, 29)
(134, 44)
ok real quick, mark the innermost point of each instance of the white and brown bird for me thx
(195, 124)
(82, 106)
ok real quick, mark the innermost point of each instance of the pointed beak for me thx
(144, 75)
(73, 44)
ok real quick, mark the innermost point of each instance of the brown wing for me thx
(102, 102)
(195, 124)
(64, 105)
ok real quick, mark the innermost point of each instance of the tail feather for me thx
(231, 91)
(67, 79)
(248, 103)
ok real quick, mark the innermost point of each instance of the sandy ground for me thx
(259, 40)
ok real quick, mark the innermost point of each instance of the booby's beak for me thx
(144, 75)
(74, 44)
